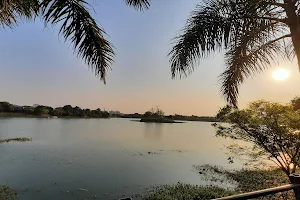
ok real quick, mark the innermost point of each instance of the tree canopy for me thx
(296, 103)
(65, 111)
(272, 130)
(253, 34)
(156, 111)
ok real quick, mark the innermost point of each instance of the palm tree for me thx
(252, 33)
(76, 23)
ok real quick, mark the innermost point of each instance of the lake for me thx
(108, 157)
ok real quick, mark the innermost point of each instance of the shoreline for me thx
(22, 115)
(159, 120)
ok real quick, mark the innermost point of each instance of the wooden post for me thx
(295, 179)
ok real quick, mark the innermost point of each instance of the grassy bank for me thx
(185, 191)
(16, 140)
(245, 181)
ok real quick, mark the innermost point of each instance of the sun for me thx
(281, 74)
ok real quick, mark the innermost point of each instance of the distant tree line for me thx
(157, 112)
(41, 110)
(193, 118)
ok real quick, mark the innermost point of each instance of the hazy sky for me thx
(37, 66)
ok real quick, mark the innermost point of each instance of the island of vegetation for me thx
(156, 115)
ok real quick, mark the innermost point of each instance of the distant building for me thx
(115, 113)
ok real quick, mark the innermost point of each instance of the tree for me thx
(156, 111)
(6, 107)
(77, 26)
(58, 111)
(41, 110)
(296, 103)
(105, 114)
(28, 110)
(148, 114)
(68, 110)
(252, 33)
(87, 112)
(272, 129)
(77, 111)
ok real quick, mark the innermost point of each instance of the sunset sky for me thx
(37, 66)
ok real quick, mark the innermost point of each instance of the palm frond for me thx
(205, 31)
(12, 10)
(253, 51)
(248, 30)
(81, 29)
(138, 4)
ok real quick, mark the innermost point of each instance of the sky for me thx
(38, 67)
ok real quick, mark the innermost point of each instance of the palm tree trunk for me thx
(293, 22)
(296, 42)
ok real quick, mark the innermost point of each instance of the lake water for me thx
(108, 157)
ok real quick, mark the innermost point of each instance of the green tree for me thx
(41, 110)
(296, 103)
(148, 114)
(272, 129)
(155, 111)
(76, 25)
(58, 111)
(68, 110)
(77, 111)
(87, 112)
(28, 110)
(252, 33)
(105, 114)
(6, 107)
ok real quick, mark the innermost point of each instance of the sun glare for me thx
(281, 74)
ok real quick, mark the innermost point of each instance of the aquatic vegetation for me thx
(7, 193)
(23, 139)
(245, 180)
(182, 191)
(248, 180)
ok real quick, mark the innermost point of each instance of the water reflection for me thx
(153, 131)
(89, 153)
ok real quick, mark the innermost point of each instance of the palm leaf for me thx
(206, 30)
(250, 31)
(242, 61)
(81, 29)
(12, 10)
(138, 4)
